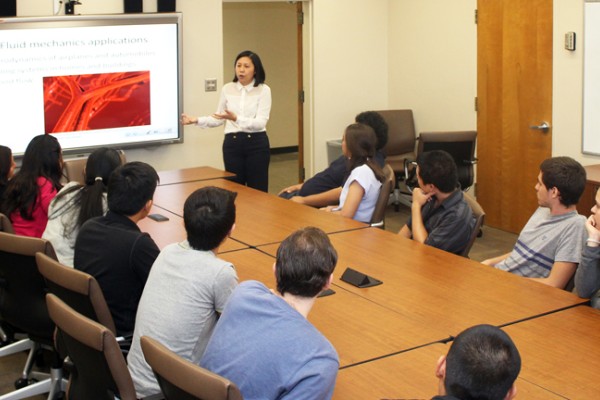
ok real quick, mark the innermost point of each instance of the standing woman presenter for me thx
(244, 108)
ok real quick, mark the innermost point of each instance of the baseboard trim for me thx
(284, 150)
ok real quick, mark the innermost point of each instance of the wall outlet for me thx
(210, 85)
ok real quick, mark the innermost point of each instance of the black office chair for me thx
(78, 289)
(180, 379)
(23, 306)
(459, 144)
(387, 187)
(100, 369)
(5, 224)
(479, 216)
(81, 292)
(6, 331)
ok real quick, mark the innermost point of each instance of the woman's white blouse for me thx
(251, 105)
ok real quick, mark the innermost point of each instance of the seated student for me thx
(28, 194)
(361, 189)
(587, 277)
(187, 288)
(482, 363)
(112, 248)
(549, 246)
(440, 216)
(76, 203)
(263, 341)
(7, 168)
(325, 187)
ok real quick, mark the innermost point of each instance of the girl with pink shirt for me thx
(29, 192)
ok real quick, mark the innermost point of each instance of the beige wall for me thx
(433, 62)
(358, 48)
(350, 67)
(269, 29)
(568, 83)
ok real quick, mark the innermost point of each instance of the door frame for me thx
(304, 51)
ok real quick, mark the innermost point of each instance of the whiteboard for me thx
(591, 78)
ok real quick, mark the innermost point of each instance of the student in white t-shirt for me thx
(361, 189)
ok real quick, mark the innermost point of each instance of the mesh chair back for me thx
(78, 289)
(100, 370)
(180, 379)
(22, 288)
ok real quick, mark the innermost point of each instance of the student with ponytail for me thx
(361, 188)
(76, 203)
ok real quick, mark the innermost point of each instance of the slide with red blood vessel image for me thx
(96, 101)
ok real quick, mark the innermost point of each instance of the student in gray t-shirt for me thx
(187, 288)
(549, 246)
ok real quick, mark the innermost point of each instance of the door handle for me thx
(544, 126)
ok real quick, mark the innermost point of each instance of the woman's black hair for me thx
(361, 143)
(5, 164)
(42, 159)
(100, 164)
(259, 72)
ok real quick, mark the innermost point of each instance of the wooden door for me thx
(514, 90)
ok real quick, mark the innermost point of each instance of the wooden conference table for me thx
(561, 351)
(359, 329)
(173, 231)
(386, 333)
(261, 217)
(191, 175)
(436, 288)
(410, 375)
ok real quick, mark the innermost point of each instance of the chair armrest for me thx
(409, 173)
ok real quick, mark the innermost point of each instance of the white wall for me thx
(350, 67)
(366, 54)
(567, 104)
(433, 62)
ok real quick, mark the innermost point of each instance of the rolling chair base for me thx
(52, 383)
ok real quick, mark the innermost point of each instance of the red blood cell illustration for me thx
(96, 101)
